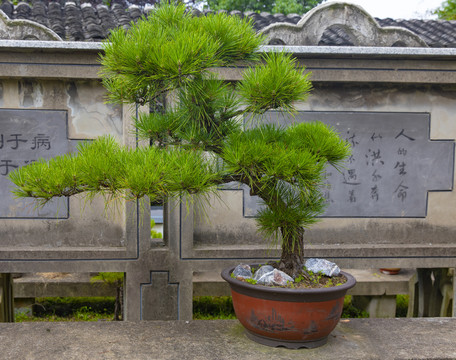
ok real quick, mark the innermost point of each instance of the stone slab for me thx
(392, 166)
(50, 45)
(369, 282)
(26, 136)
(336, 51)
(373, 282)
(60, 285)
(431, 338)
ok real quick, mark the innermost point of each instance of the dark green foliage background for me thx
(272, 6)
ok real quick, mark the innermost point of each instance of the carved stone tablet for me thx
(25, 136)
(392, 167)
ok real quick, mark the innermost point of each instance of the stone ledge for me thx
(304, 51)
(368, 282)
(430, 338)
(60, 285)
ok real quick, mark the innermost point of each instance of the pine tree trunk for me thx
(292, 259)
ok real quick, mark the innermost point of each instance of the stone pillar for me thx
(159, 298)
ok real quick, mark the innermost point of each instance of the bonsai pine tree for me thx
(211, 131)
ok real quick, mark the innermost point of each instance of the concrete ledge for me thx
(373, 282)
(308, 51)
(370, 282)
(62, 284)
(431, 338)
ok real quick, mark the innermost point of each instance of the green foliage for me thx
(22, 317)
(200, 141)
(290, 7)
(157, 127)
(209, 308)
(84, 313)
(350, 312)
(273, 6)
(104, 167)
(331, 283)
(207, 113)
(247, 280)
(402, 302)
(285, 167)
(109, 278)
(72, 308)
(169, 49)
(447, 10)
(241, 5)
(276, 84)
(79, 315)
(154, 234)
(251, 281)
(309, 4)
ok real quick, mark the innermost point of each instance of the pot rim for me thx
(288, 294)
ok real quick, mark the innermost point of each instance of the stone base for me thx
(355, 339)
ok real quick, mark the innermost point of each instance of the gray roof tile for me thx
(55, 16)
(91, 20)
(7, 8)
(73, 23)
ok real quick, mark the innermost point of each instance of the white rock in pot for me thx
(242, 271)
(261, 271)
(275, 277)
(324, 266)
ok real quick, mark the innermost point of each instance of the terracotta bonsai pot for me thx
(293, 318)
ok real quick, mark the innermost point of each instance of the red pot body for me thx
(288, 317)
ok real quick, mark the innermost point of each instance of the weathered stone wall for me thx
(40, 78)
(84, 116)
(159, 274)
